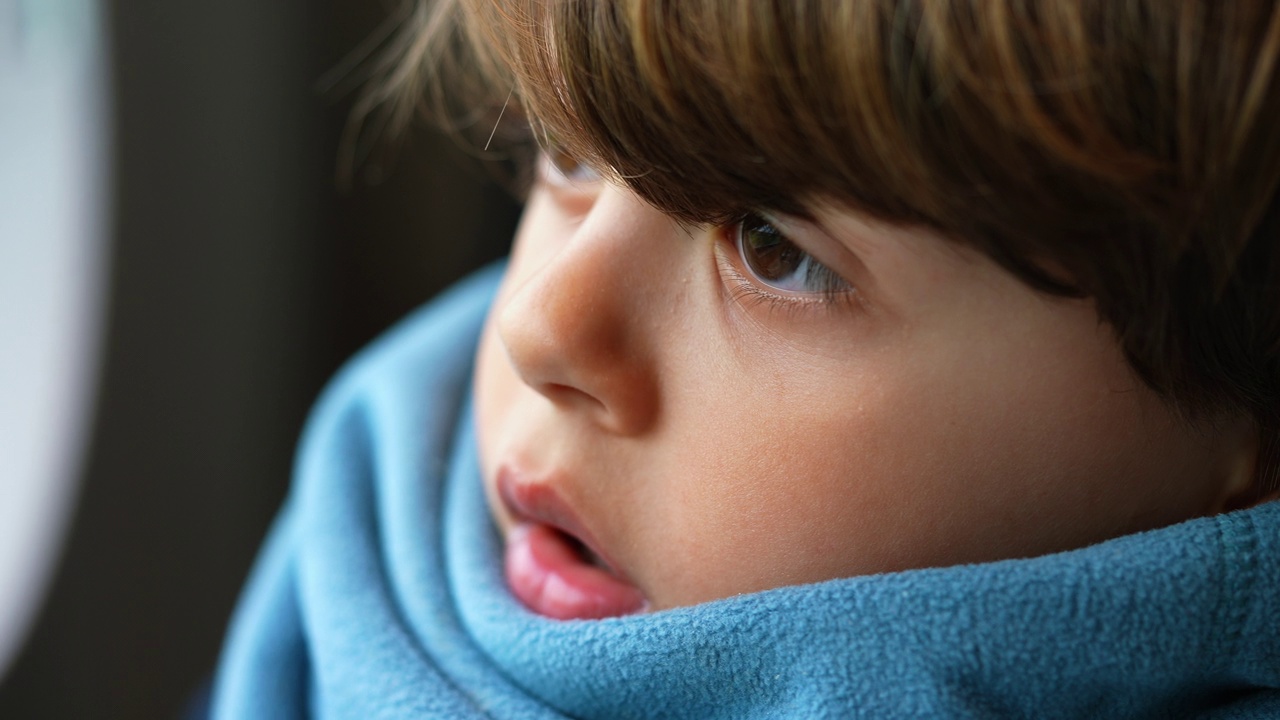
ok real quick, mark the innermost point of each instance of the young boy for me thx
(853, 359)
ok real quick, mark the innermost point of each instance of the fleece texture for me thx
(379, 594)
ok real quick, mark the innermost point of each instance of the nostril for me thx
(561, 394)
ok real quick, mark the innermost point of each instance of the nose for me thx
(579, 329)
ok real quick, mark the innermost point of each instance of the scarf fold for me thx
(379, 594)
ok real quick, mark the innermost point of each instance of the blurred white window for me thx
(53, 227)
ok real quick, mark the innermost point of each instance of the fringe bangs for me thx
(703, 108)
(1123, 143)
(912, 111)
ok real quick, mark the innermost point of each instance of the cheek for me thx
(949, 452)
(760, 500)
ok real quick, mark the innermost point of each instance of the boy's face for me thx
(711, 421)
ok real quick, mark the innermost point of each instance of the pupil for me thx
(769, 255)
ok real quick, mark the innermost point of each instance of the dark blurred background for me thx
(240, 278)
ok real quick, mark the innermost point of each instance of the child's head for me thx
(834, 288)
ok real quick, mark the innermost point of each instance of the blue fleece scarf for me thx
(380, 595)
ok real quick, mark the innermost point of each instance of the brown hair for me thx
(1123, 143)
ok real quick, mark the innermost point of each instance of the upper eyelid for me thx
(825, 247)
(789, 229)
(550, 172)
(557, 156)
(554, 180)
(803, 238)
(732, 235)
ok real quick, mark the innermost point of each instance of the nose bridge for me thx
(576, 328)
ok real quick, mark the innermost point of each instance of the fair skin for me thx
(710, 431)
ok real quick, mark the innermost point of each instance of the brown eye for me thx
(770, 256)
(776, 262)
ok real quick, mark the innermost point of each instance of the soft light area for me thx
(53, 131)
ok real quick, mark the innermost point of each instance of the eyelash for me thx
(833, 291)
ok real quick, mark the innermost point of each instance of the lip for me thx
(544, 569)
(536, 500)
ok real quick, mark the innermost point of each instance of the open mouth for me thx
(581, 550)
(555, 574)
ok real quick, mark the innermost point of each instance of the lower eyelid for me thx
(749, 294)
(574, 199)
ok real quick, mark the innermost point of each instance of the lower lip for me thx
(549, 576)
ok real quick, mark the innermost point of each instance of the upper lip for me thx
(535, 499)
